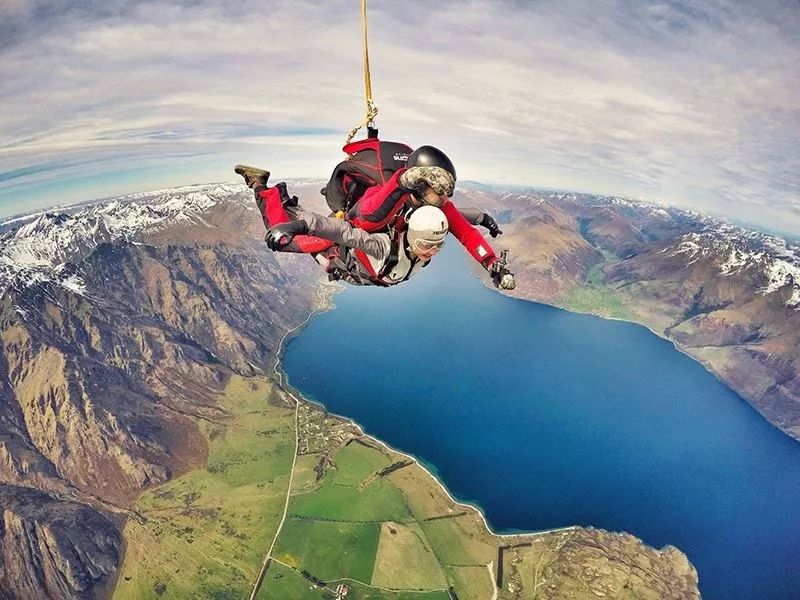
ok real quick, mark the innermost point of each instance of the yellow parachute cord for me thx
(372, 110)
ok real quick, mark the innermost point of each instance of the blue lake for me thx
(546, 418)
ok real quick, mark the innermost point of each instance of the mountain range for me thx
(122, 321)
(119, 324)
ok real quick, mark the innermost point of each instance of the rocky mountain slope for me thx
(727, 296)
(119, 323)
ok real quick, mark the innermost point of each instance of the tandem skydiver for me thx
(387, 236)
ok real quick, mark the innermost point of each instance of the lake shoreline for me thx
(327, 292)
(565, 444)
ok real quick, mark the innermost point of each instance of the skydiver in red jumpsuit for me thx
(427, 179)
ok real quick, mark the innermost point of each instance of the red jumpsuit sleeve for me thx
(469, 237)
(380, 204)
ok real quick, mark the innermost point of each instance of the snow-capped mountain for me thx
(737, 251)
(48, 245)
(734, 250)
(121, 322)
(764, 262)
(43, 247)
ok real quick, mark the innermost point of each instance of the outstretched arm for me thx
(469, 237)
(477, 245)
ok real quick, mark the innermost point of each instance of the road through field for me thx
(323, 294)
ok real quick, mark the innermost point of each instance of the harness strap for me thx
(411, 270)
(393, 258)
(337, 267)
(373, 276)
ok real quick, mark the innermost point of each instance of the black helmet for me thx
(428, 156)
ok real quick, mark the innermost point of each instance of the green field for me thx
(356, 462)
(360, 515)
(329, 550)
(473, 583)
(355, 527)
(206, 532)
(285, 583)
(405, 559)
(346, 495)
(452, 544)
(596, 298)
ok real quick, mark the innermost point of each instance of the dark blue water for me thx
(546, 418)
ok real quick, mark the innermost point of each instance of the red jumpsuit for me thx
(379, 207)
(382, 204)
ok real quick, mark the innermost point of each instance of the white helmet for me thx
(427, 228)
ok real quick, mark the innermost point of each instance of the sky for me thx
(691, 104)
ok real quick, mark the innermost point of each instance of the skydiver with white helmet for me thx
(364, 258)
(392, 228)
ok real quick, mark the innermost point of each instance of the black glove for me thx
(491, 225)
(281, 235)
(501, 276)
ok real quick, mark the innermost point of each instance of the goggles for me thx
(427, 245)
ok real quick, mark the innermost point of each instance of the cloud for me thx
(691, 105)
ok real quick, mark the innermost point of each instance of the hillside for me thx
(120, 323)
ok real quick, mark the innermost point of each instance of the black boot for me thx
(286, 199)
